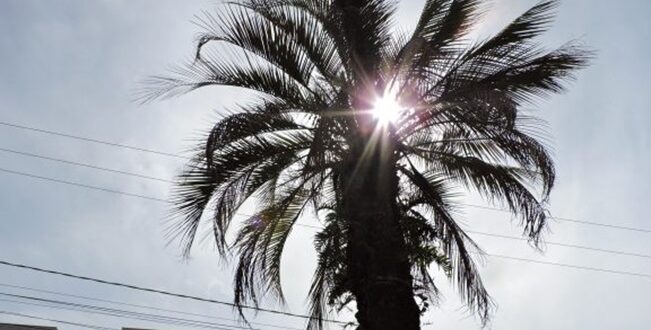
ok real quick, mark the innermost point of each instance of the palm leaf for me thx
(454, 241)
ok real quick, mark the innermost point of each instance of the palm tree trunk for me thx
(378, 268)
(379, 271)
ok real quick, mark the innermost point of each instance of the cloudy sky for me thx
(72, 67)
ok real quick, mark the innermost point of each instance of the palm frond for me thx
(527, 26)
(251, 122)
(260, 244)
(213, 70)
(366, 27)
(437, 36)
(232, 175)
(499, 183)
(421, 238)
(329, 280)
(312, 33)
(243, 28)
(456, 244)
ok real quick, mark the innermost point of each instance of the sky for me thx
(73, 66)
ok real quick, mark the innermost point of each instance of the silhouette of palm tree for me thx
(376, 133)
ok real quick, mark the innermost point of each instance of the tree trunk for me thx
(379, 270)
(378, 267)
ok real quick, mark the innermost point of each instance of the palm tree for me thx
(376, 133)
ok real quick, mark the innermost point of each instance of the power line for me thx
(87, 139)
(591, 223)
(185, 296)
(283, 313)
(156, 199)
(642, 230)
(573, 246)
(564, 245)
(135, 305)
(558, 264)
(13, 125)
(82, 185)
(185, 324)
(94, 309)
(83, 325)
(64, 161)
(163, 292)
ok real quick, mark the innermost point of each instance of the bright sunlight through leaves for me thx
(387, 109)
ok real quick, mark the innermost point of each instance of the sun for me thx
(387, 109)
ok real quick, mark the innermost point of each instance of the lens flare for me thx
(387, 109)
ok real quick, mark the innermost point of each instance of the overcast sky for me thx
(72, 67)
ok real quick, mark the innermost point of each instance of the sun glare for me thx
(387, 109)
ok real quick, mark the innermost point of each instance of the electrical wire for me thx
(119, 192)
(584, 222)
(99, 168)
(185, 296)
(583, 247)
(83, 325)
(136, 305)
(82, 185)
(87, 139)
(558, 264)
(163, 292)
(99, 310)
(199, 323)
(113, 315)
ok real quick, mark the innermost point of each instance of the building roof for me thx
(9, 326)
